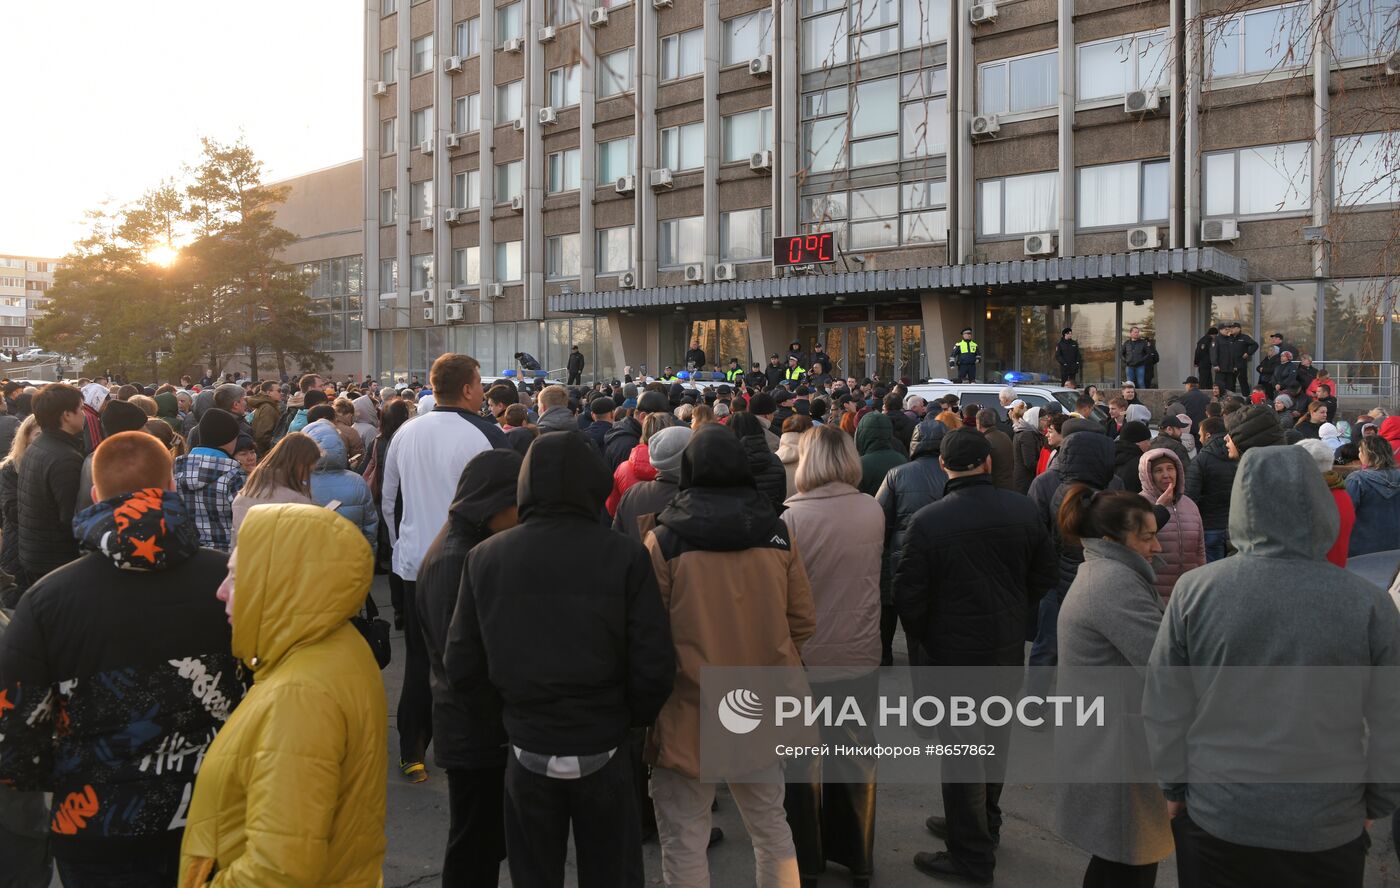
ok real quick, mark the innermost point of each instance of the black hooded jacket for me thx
(48, 492)
(573, 656)
(910, 487)
(718, 508)
(1083, 459)
(1209, 481)
(462, 739)
(619, 440)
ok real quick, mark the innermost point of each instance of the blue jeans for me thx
(1138, 376)
(1215, 544)
(1045, 650)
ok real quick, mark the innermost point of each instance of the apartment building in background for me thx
(614, 175)
(24, 294)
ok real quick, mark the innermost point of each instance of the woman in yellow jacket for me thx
(292, 790)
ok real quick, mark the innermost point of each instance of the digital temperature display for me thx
(804, 249)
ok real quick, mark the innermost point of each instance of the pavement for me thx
(1031, 855)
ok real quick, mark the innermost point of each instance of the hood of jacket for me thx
(1390, 430)
(1384, 483)
(558, 419)
(1108, 550)
(927, 439)
(365, 410)
(302, 572)
(256, 401)
(629, 427)
(718, 508)
(563, 475)
(787, 447)
(144, 530)
(1029, 421)
(875, 432)
(167, 406)
(488, 484)
(1280, 507)
(333, 456)
(640, 461)
(1215, 447)
(202, 402)
(1145, 473)
(1086, 458)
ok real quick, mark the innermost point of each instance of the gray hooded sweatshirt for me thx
(1278, 603)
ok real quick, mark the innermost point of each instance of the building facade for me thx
(24, 293)
(613, 174)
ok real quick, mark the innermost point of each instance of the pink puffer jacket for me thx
(1183, 539)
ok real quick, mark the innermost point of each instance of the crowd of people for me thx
(191, 665)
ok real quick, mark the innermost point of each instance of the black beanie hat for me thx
(122, 416)
(217, 428)
(1254, 426)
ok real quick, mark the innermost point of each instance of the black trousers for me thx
(1110, 874)
(1204, 861)
(575, 378)
(158, 871)
(600, 808)
(415, 714)
(972, 805)
(476, 831)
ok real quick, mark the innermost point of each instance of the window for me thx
(509, 23)
(1367, 170)
(875, 28)
(925, 21)
(468, 37)
(509, 102)
(1259, 181)
(420, 199)
(422, 53)
(1018, 204)
(508, 261)
(564, 171)
(1364, 29)
(824, 41)
(1011, 86)
(925, 214)
(466, 189)
(615, 73)
(1110, 68)
(466, 267)
(420, 270)
(466, 113)
(747, 37)
(388, 135)
(875, 112)
(565, 87)
(1259, 41)
(1122, 194)
(824, 143)
(683, 54)
(747, 133)
(681, 242)
(387, 7)
(925, 127)
(508, 182)
(614, 160)
(389, 65)
(614, 249)
(746, 235)
(874, 218)
(420, 125)
(683, 147)
(388, 275)
(561, 256)
(388, 205)
(563, 12)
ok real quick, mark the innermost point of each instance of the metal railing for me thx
(1372, 383)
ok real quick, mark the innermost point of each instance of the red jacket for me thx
(636, 467)
(1346, 510)
(1390, 430)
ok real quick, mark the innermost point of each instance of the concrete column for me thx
(403, 135)
(486, 233)
(770, 330)
(944, 317)
(634, 342)
(442, 161)
(532, 167)
(713, 127)
(787, 87)
(1191, 126)
(588, 161)
(1176, 331)
(1322, 141)
(1176, 103)
(644, 232)
(1066, 141)
(963, 205)
(370, 282)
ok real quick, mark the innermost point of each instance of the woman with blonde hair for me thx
(284, 476)
(839, 533)
(147, 404)
(162, 431)
(9, 501)
(703, 414)
(793, 427)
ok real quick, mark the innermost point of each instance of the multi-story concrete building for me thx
(24, 293)
(541, 173)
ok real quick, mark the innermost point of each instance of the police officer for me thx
(668, 374)
(795, 372)
(756, 379)
(966, 356)
(774, 371)
(1068, 358)
(735, 371)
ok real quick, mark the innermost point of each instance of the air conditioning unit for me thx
(984, 126)
(459, 294)
(761, 65)
(1040, 244)
(661, 178)
(1140, 101)
(381, 88)
(498, 291)
(428, 313)
(385, 297)
(426, 223)
(548, 115)
(625, 185)
(421, 295)
(455, 215)
(983, 13)
(426, 146)
(514, 44)
(627, 280)
(1218, 230)
(546, 34)
(662, 4)
(695, 274)
(456, 312)
(518, 124)
(725, 271)
(452, 65)
(454, 141)
(761, 161)
(517, 203)
(598, 17)
(1148, 238)
(429, 296)
(1392, 64)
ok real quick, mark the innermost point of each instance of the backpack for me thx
(284, 423)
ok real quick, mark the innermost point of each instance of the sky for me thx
(103, 100)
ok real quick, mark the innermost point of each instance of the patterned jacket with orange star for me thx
(115, 674)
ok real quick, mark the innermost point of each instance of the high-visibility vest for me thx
(794, 373)
(966, 346)
(733, 373)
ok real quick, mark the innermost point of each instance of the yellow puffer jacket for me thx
(292, 790)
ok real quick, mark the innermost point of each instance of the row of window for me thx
(33, 265)
(876, 121)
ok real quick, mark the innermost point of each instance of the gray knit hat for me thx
(664, 450)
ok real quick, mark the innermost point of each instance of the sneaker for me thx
(413, 772)
(941, 865)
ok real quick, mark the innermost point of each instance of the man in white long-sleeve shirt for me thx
(425, 460)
